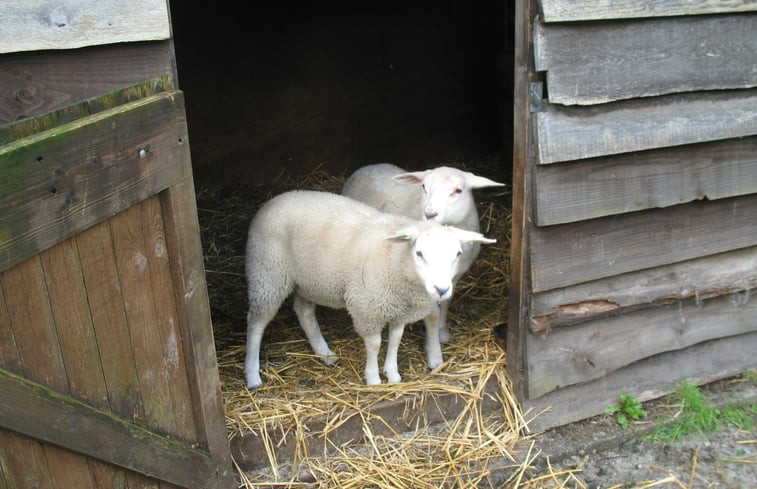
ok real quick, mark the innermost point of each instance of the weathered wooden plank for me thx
(4, 477)
(524, 155)
(39, 349)
(575, 10)
(591, 350)
(183, 240)
(31, 25)
(141, 315)
(29, 126)
(107, 308)
(703, 278)
(59, 182)
(24, 461)
(573, 253)
(593, 63)
(33, 327)
(574, 133)
(106, 477)
(173, 359)
(58, 419)
(650, 378)
(8, 352)
(656, 178)
(68, 301)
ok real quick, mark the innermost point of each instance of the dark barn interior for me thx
(296, 86)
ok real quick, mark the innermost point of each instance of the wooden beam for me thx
(596, 63)
(61, 181)
(47, 415)
(575, 10)
(179, 207)
(647, 379)
(699, 279)
(35, 83)
(574, 133)
(618, 184)
(524, 155)
(574, 253)
(34, 25)
(591, 350)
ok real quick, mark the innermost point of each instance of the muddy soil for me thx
(611, 457)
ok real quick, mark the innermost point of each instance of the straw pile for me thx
(461, 451)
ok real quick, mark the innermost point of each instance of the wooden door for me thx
(107, 362)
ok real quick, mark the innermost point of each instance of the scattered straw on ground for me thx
(460, 452)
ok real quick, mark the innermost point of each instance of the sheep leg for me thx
(372, 346)
(443, 329)
(433, 346)
(256, 325)
(390, 362)
(305, 311)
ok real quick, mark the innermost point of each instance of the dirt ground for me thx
(607, 456)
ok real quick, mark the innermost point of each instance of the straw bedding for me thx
(459, 452)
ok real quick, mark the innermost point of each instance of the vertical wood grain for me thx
(174, 361)
(106, 303)
(146, 341)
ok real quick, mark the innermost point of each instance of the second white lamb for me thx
(443, 194)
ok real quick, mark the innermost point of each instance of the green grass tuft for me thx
(696, 417)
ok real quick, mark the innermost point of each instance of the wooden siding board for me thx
(579, 252)
(647, 379)
(631, 182)
(32, 84)
(173, 359)
(54, 118)
(574, 133)
(73, 321)
(90, 431)
(106, 303)
(141, 315)
(596, 63)
(591, 350)
(8, 352)
(24, 461)
(702, 278)
(64, 180)
(33, 327)
(183, 240)
(524, 153)
(32, 25)
(577, 10)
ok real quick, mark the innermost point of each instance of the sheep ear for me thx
(405, 234)
(413, 177)
(473, 237)
(475, 181)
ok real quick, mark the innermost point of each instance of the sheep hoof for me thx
(330, 359)
(373, 381)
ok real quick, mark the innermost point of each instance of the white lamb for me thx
(442, 194)
(330, 250)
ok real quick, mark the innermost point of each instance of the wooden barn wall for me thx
(635, 236)
(302, 84)
(106, 352)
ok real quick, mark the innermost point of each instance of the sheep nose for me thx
(430, 213)
(441, 290)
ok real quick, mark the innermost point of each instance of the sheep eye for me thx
(423, 186)
(419, 254)
(457, 191)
